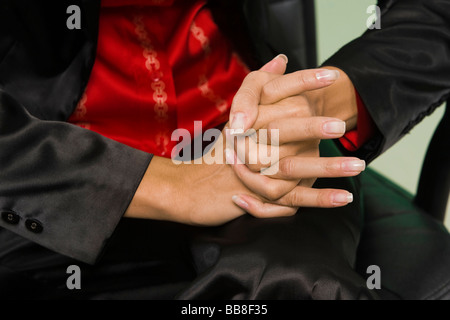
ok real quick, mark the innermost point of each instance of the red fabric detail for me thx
(159, 67)
(121, 3)
(365, 128)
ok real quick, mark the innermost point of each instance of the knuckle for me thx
(323, 199)
(272, 91)
(296, 199)
(315, 152)
(329, 167)
(249, 91)
(303, 79)
(273, 192)
(314, 146)
(254, 167)
(310, 129)
(287, 167)
(298, 111)
(267, 92)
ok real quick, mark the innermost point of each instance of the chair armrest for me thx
(434, 184)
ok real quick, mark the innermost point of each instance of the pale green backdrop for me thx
(338, 22)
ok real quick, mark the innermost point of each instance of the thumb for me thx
(244, 109)
(277, 65)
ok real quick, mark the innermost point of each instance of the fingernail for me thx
(334, 127)
(283, 56)
(237, 124)
(342, 198)
(229, 156)
(354, 166)
(240, 202)
(328, 75)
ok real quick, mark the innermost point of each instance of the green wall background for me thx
(340, 21)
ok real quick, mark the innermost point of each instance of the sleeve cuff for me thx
(365, 128)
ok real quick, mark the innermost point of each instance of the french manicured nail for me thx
(240, 202)
(283, 56)
(354, 166)
(229, 156)
(237, 124)
(342, 198)
(328, 75)
(334, 127)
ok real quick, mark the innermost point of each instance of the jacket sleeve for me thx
(402, 70)
(61, 186)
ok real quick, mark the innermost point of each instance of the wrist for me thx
(154, 198)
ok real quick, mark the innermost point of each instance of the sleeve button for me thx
(10, 217)
(34, 226)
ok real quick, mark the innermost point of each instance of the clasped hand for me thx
(284, 108)
(209, 193)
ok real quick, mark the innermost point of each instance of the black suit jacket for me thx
(77, 184)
